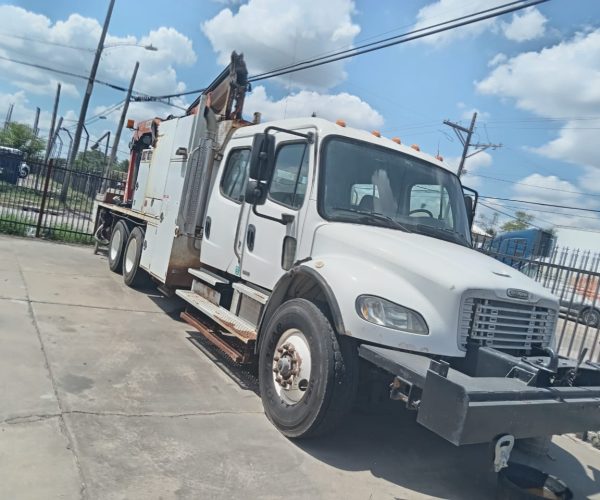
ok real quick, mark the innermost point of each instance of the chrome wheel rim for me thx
(130, 255)
(116, 244)
(291, 366)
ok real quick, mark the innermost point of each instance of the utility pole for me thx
(52, 123)
(464, 135)
(90, 86)
(8, 116)
(36, 122)
(113, 153)
(51, 139)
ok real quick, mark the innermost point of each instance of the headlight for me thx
(385, 313)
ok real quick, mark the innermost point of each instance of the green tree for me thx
(122, 165)
(93, 161)
(21, 136)
(522, 220)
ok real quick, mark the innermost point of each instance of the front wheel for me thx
(307, 375)
(590, 317)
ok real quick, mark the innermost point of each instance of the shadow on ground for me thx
(386, 441)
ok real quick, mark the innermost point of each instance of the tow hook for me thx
(552, 364)
(502, 449)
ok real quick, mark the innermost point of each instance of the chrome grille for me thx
(506, 325)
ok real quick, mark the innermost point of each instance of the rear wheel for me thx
(307, 375)
(118, 238)
(133, 275)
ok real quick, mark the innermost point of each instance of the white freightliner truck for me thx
(306, 246)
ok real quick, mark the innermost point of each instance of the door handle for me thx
(250, 236)
(207, 225)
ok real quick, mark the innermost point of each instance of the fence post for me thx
(44, 196)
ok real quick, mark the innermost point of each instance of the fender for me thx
(282, 288)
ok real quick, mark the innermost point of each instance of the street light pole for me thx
(90, 86)
(113, 153)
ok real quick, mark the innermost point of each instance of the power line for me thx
(403, 38)
(544, 220)
(388, 42)
(505, 214)
(62, 72)
(394, 40)
(578, 216)
(542, 204)
(533, 185)
(46, 42)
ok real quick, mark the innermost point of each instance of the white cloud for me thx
(524, 26)
(590, 180)
(467, 114)
(576, 143)
(542, 188)
(443, 10)
(473, 165)
(349, 107)
(276, 33)
(157, 72)
(497, 59)
(552, 190)
(562, 81)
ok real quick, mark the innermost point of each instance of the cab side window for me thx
(290, 175)
(233, 183)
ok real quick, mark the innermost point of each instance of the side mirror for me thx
(256, 192)
(469, 205)
(262, 158)
(181, 151)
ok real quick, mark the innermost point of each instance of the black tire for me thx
(331, 390)
(133, 275)
(116, 245)
(590, 317)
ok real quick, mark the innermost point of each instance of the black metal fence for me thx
(573, 276)
(52, 201)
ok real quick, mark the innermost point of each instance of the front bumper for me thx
(467, 409)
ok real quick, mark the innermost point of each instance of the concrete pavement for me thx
(105, 395)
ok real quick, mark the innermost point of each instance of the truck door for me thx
(224, 209)
(265, 239)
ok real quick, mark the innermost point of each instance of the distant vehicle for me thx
(514, 247)
(577, 290)
(12, 165)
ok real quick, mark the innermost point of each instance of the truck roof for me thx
(326, 127)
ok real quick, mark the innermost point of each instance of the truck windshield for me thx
(367, 184)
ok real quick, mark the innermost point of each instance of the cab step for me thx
(251, 292)
(237, 355)
(243, 330)
(208, 277)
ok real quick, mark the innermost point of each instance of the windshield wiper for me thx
(375, 216)
(442, 233)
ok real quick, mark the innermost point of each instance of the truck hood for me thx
(420, 259)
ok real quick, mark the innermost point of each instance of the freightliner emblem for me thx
(515, 293)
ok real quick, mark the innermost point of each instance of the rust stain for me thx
(244, 335)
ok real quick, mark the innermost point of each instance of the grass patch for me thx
(13, 226)
(17, 226)
(17, 196)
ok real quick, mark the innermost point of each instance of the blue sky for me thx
(534, 77)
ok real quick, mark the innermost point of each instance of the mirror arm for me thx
(285, 219)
